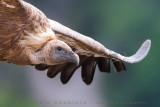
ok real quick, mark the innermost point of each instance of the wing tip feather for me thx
(140, 54)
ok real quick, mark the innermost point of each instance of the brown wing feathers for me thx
(103, 64)
(41, 67)
(88, 70)
(67, 72)
(118, 65)
(54, 70)
(87, 64)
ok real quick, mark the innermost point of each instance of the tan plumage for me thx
(28, 37)
(17, 25)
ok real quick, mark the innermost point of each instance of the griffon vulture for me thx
(28, 37)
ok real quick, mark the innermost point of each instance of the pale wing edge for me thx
(137, 57)
(140, 54)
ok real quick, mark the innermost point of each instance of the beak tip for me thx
(74, 57)
(77, 60)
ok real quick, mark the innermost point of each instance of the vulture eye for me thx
(59, 48)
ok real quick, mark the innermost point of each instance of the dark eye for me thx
(59, 48)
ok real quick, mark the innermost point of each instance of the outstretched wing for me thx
(91, 53)
(86, 46)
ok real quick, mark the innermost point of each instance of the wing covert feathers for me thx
(94, 47)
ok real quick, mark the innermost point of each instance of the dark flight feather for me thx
(119, 66)
(54, 70)
(88, 70)
(41, 67)
(67, 72)
(104, 64)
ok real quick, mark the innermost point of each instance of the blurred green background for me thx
(120, 25)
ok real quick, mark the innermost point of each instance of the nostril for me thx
(71, 53)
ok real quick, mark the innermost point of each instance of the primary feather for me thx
(28, 37)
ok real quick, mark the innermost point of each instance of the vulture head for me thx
(58, 52)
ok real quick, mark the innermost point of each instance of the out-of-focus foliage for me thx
(121, 25)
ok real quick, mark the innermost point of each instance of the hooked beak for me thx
(74, 57)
